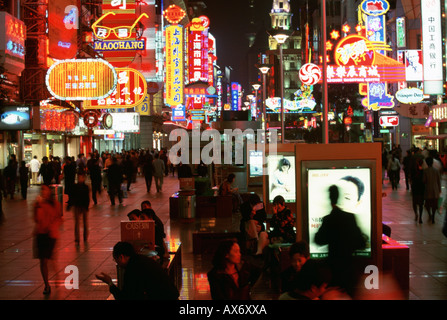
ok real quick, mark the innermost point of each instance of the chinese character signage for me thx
(439, 113)
(130, 91)
(198, 51)
(60, 120)
(174, 65)
(179, 113)
(174, 14)
(143, 108)
(81, 79)
(63, 25)
(115, 32)
(12, 43)
(358, 61)
(235, 96)
(432, 46)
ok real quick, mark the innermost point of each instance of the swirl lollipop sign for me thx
(310, 74)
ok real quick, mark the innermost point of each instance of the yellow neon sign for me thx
(122, 32)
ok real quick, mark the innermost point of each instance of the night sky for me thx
(229, 23)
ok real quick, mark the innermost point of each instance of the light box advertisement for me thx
(281, 172)
(256, 163)
(15, 118)
(126, 122)
(354, 196)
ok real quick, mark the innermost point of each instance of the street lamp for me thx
(264, 68)
(256, 86)
(281, 39)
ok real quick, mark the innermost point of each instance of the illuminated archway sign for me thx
(81, 79)
(130, 91)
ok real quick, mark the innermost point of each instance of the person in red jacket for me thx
(47, 217)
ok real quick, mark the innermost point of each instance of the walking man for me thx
(159, 171)
(81, 202)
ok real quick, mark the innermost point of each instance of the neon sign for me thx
(375, 7)
(12, 45)
(82, 79)
(116, 34)
(174, 14)
(63, 22)
(198, 51)
(130, 91)
(174, 65)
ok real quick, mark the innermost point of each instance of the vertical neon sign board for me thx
(12, 46)
(234, 96)
(197, 51)
(432, 46)
(174, 65)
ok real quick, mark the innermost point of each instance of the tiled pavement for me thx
(20, 277)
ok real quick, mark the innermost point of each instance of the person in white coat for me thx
(34, 166)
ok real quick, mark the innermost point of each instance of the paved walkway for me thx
(20, 275)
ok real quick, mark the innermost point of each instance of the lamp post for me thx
(324, 73)
(281, 39)
(264, 68)
(256, 86)
(250, 98)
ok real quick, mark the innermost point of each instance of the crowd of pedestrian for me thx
(422, 169)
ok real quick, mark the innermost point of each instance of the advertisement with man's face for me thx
(354, 187)
(281, 173)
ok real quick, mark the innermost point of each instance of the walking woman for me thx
(47, 218)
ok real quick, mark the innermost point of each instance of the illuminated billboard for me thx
(58, 119)
(354, 185)
(63, 25)
(81, 79)
(130, 91)
(15, 118)
(198, 51)
(174, 65)
(359, 61)
(12, 43)
(117, 32)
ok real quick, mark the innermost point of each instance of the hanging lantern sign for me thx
(81, 79)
